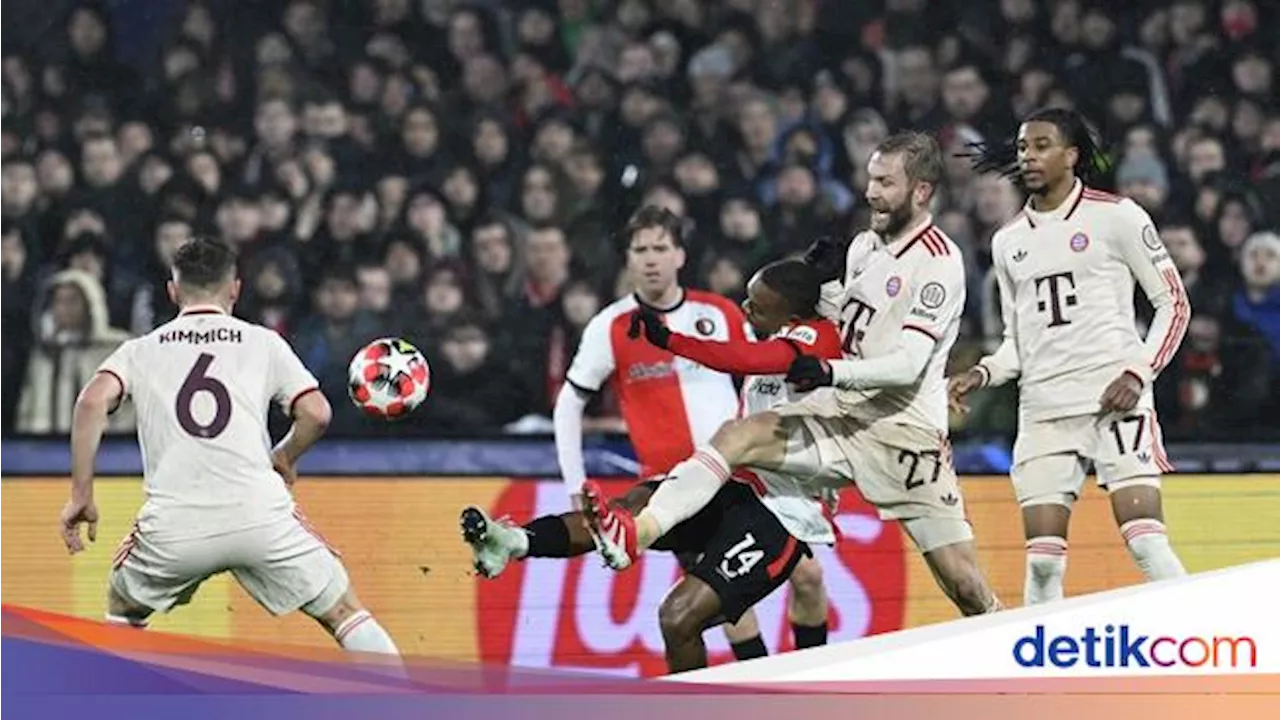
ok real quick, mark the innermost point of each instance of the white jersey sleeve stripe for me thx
(1178, 328)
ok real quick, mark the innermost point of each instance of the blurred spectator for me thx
(475, 391)
(1257, 303)
(73, 336)
(403, 167)
(330, 337)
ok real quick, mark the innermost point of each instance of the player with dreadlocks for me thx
(1065, 267)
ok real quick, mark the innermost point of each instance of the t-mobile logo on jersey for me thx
(855, 327)
(1055, 293)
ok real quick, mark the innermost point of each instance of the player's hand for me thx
(1121, 395)
(826, 256)
(830, 498)
(287, 468)
(807, 373)
(655, 331)
(75, 514)
(959, 386)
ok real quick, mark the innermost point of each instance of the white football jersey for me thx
(1066, 281)
(915, 284)
(789, 499)
(202, 385)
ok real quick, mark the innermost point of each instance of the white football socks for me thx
(687, 488)
(1149, 545)
(1046, 568)
(362, 633)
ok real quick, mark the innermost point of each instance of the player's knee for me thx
(123, 611)
(335, 603)
(736, 439)
(958, 574)
(679, 617)
(806, 582)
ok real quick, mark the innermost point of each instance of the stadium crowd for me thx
(453, 173)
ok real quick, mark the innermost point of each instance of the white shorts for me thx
(905, 471)
(283, 565)
(798, 511)
(1050, 457)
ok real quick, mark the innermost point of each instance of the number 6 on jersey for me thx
(199, 381)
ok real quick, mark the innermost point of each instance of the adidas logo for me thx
(1020, 256)
(1144, 457)
(949, 500)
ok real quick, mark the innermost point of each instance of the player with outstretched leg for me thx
(670, 405)
(217, 499)
(878, 417)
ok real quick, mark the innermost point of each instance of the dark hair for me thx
(921, 156)
(204, 263)
(343, 274)
(465, 319)
(797, 283)
(653, 216)
(1002, 158)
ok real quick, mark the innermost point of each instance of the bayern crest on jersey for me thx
(893, 286)
(1079, 242)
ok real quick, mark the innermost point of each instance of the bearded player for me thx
(670, 405)
(217, 498)
(1065, 267)
(881, 410)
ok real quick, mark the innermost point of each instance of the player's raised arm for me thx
(828, 257)
(97, 400)
(1140, 247)
(738, 356)
(591, 367)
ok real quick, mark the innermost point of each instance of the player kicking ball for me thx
(1065, 267)
(216, 498)
(783, 294)
(738, 566)
(878, 418)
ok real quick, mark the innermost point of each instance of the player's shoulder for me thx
(864, 239)
(1102, 197)
(861, 245)
(1102, 203)
(1016, 225)
(1104, 212)
(621, 306)
(930, 242)
(934, 256)
(610, 314)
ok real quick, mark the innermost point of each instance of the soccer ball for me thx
(388, 378)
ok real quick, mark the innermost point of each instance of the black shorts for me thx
(736, 546)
